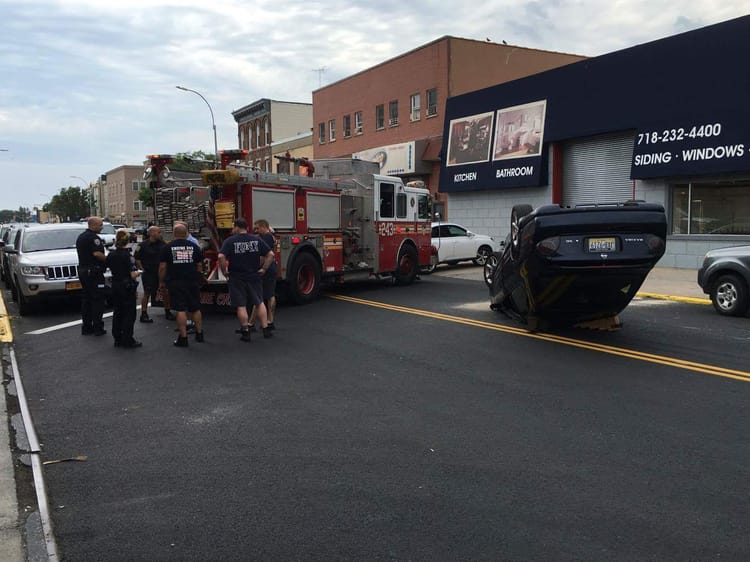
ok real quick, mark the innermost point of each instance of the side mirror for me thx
(437, 216)
(9, 249)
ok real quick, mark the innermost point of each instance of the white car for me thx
(455, 243)
(108, 234)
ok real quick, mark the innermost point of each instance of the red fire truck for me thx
(345, 222)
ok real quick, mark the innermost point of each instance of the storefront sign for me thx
(394, 159)
(689, 148)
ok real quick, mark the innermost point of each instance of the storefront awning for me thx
(432, 149)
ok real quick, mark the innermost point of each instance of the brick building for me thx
(394, 112)
(120, 202)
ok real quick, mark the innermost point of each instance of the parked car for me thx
(725, 277)
(455, 243)
(7, 231)
(43, 263)
(569, 265)
(108, 234)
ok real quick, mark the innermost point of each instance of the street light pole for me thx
(87, 190)
(213, 123)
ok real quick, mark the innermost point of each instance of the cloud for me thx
(90, 85)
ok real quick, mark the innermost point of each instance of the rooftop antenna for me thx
(320, 72)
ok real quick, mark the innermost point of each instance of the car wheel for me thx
(482, 254)
(407, 266)
(516, 214)
(729, 295)
(489, 268)
(24, 306)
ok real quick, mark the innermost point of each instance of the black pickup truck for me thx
(572, 265)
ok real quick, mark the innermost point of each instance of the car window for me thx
(37, 240)
(455, 230)
(108, 229)
(435, 232)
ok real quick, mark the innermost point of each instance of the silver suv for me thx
(43, 263)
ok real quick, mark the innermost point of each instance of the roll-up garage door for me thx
(597, 169)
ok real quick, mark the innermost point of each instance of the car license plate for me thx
(602, 244)
(72, 285)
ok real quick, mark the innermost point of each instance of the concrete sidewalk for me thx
(662, 282)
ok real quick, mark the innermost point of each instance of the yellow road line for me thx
(691, 300)
(583, 344)
(6, 335)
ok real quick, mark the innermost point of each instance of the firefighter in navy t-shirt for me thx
(249, 258)
(180, 270)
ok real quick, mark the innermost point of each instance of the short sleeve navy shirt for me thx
(87, 243)
(243, 251)
(181, 257)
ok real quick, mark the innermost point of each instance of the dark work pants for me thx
(92, 299)
(123, 317)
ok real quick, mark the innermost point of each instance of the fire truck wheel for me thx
(303, 279)
(407, 266)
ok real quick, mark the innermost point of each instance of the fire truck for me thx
(342, 222)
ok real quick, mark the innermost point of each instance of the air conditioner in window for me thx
(432, 110)
(358, 130)
(415, 115)
(392, 122)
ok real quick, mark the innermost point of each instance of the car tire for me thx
(407, 265)
(729, 295)
(24, 305)
(516, 214)
(483, 254)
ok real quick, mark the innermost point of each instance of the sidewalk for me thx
(662, 282)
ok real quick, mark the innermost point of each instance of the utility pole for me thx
(320, 72)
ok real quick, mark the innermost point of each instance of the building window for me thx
(321, 133)
(357, 122)
(415, 107)
(721, 208)
(332, 130)
(379, 116)
(267, 130)
(267, 165)
(431, 102)
(347, 126)
(139, 206)
(258, 138)
(137, 185)
(393, 113)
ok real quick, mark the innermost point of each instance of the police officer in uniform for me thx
(91, 258)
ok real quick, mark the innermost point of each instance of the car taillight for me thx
(548, 246)
(655, 244)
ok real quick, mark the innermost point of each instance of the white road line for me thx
(41, 331)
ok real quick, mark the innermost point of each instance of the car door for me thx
(463, 244)
(441, 239)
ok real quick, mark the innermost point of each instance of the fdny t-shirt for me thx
(243, 252)
(181, 256)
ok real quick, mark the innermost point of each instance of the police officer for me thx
(91, 258)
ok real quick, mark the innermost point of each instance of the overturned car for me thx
(575, 265)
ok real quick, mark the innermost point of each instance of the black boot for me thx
(181, 342)
(145, 319)
(267, 332)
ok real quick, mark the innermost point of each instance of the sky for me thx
(89, 85)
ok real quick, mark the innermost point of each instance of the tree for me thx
(70, 204)
(183, 162)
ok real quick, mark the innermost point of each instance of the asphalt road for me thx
(397, 423)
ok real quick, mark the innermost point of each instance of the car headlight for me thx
(32, 270)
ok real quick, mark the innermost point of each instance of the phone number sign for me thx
(681, 149)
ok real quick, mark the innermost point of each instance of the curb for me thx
(676, 298)
(6, 335)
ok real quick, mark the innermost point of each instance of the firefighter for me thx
(180, 269)
(265, 232)
(91, 258)
(249, 258)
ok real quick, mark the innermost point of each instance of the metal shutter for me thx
(597, 169)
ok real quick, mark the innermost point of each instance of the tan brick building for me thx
(120, 197)
(393, 112)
